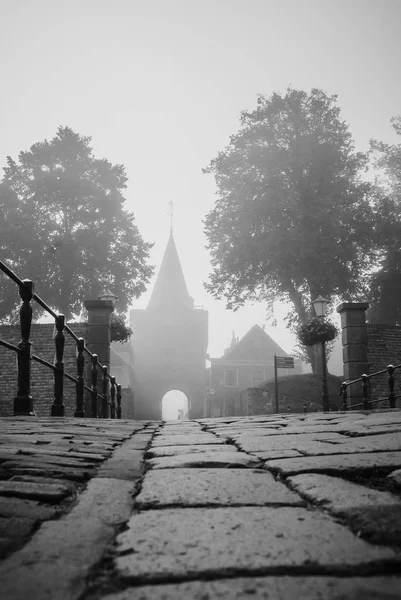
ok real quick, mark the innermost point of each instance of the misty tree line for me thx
(299, 213)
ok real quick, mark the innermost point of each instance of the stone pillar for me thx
(98, 338)
(355, 345)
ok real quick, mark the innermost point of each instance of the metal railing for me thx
(23, 401)
(365, 380)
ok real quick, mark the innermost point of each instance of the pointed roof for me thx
(170, 289)
(255, 345)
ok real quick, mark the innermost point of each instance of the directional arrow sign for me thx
(284, 362)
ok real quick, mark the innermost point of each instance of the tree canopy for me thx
(292, 218)
(65, 226)
(385, 287)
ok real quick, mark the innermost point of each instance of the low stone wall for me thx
(384, 348)
(42, 379)
(368, 348)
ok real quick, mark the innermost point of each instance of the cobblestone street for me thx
(279, 506)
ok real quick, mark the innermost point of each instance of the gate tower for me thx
(169, 342)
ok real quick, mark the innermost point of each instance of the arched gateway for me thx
(169, 343)
(174, 406)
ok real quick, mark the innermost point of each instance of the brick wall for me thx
(384, 348)
(42, 380)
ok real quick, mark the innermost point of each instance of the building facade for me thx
(245, 364)
(169, 343)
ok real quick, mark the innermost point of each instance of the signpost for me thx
(281, 362)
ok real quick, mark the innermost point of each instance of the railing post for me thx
(366, 404)
(391, 396)
(80, 412)
(105, 383)
(94, 387)
(23, 402)
(57, 409)
(113, 397)
(119, 395)
(344, 393)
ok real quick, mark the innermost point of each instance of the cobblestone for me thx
(206, 527)
(29, 509)
(47, 462)
(280, 440)
(275, 454)
(178, 542)
(395, 477)
(270, 588)
(340, 496)
(54, 564)
(207, 487)
(160, 451)
(343, 463)
(46, 492)
(205, 459)
(186, 440)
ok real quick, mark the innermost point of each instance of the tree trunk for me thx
(296, 299)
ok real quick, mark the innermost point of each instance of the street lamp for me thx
(320, 306)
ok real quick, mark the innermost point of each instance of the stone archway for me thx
(174, 405)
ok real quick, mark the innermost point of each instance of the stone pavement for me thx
(282, 507)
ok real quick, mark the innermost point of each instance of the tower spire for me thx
(171, 215)
(170, 289)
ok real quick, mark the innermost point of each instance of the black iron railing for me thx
(23, 401)
(364, 380)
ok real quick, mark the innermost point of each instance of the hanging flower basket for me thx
(317, 330)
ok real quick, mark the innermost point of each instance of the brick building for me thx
(245, 364)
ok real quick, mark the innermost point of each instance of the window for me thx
(257, 377)
(231, 377)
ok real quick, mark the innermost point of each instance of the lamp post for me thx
(320, 306)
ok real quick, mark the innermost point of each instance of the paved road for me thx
(282, 507)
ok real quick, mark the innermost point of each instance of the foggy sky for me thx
(160, 85)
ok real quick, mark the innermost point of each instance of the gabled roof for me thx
(170, 289)
(256, 344)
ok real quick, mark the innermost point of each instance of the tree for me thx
(386, 281)
(66, 227)
(120, 331)
(292, 218)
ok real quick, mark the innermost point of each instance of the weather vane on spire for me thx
(171, 214)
